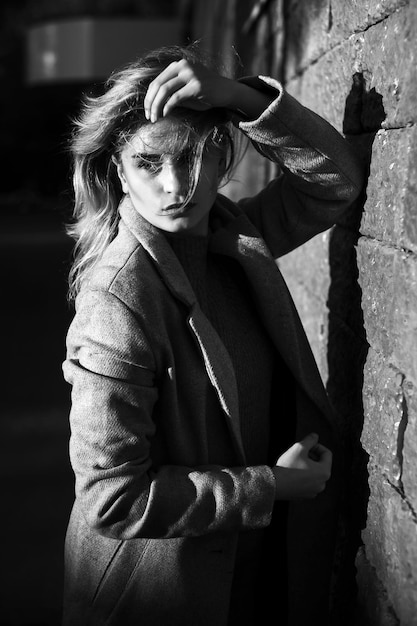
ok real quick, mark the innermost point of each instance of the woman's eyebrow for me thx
(147, 156)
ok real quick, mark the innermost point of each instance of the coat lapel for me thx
(242, 241)
(216, 358)
(221, 373)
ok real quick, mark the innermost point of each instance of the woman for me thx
(198, 412)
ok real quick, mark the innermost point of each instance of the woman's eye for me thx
(153, 166)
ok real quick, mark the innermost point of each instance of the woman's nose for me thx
(174, 178)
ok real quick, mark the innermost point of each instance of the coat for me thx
(153, 531)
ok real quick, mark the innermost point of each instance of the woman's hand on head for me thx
(187, 85)
(303, 470)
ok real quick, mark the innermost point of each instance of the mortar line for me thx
(386, 244)
(407, 125)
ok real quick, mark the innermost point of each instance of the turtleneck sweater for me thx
(223, 294)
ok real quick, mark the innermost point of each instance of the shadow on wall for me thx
(348, 347)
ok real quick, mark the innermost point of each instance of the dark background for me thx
(35, 256)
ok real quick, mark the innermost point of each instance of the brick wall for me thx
(355, 63)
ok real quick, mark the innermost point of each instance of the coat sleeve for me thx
(319, 178)
(122, 493)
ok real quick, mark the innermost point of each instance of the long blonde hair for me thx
(105, 124)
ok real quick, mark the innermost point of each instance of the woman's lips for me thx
(178, 207)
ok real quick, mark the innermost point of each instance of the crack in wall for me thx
(403, 498)
(401, 404)
(330, 17)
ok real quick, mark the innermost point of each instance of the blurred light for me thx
(88, 49)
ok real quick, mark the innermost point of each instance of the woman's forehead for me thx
(166, 136)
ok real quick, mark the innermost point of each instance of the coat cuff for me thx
(268, 86)
(260, 482)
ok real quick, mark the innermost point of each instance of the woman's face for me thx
(158, 183)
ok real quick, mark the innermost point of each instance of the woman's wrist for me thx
(247, 101)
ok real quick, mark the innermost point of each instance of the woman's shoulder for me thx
(122, 269)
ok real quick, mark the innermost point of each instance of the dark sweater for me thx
(223, 294)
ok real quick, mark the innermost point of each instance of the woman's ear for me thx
(120, 174)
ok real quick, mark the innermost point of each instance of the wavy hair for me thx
(105, 124)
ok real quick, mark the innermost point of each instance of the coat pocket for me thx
(116, 577)
(177, 582)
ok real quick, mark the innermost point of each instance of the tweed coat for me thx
(153, 531)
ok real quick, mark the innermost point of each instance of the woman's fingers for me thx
(304, 469)
(322, 453)
(160, 98)
(171, 71)
(309, 441)
(177, 77)
(316, 451)
(192, 86)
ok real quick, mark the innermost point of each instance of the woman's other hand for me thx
(303, 470)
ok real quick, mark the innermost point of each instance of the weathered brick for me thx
(389, 215)
(404, 322)
(376, 278)
(313, 28)
(350, 16)
(390, 542)
(387, 55)
(378, 56)
(409, 452)
(326, 85)
(388, 278)
(410, 199)
(382, 435)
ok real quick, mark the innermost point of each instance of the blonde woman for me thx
(201, 436)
